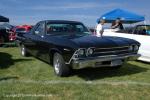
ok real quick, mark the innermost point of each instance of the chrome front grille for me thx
(110, 51)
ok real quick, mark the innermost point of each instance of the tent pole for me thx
(145, 23)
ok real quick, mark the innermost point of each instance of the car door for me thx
(29, 40)
(42, 46)
(32, 39)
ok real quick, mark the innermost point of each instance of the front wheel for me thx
(59, 65)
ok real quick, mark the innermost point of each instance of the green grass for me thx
(29, 76)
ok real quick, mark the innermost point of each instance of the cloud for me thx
(65, 6)
(33, 19)
(24, 11)
(79, 16)
(74, 5)
(55, 6)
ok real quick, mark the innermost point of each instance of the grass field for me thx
(28, 78)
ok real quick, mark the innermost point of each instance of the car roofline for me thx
(64, 21)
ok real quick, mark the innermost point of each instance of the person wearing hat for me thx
(99, 28)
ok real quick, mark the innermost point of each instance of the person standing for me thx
(99, 28)
(117, 25)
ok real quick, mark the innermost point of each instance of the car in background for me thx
(4, 33)
(140, 33)
(19, 29)
(70, 45)
(4, 36)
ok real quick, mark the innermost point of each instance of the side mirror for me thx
(36, 32)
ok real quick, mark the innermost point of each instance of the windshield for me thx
(20, 30)
(66, 28)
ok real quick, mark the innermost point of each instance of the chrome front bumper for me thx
(103, 61)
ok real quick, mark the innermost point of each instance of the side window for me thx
(80, 28)
(40, 29)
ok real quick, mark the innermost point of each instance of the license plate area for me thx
(104, 63)
(116, 62)
(109, 63)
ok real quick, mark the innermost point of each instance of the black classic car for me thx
(69, 45)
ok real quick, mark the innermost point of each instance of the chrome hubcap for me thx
(23, 50)
(57, 66)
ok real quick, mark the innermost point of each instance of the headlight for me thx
(89, 51)
(136, 48)
(131, 48)
(81, 52)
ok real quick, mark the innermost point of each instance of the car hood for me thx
(86, 41)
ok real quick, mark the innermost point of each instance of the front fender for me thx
(65, 52)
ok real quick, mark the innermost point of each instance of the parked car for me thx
(140, 33)
(69, 45)
(4, 32)
(19, 29)
(3, 36)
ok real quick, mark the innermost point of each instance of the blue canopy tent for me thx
(125, 16)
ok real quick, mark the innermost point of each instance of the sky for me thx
(87, 11)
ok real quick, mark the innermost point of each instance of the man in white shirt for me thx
(99, 28)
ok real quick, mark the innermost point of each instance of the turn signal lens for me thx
(81, 52)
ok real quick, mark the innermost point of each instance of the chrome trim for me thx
(114, 47)
(111, 51)
(97, 52)
(73, 55)
(69, 62)
(91, 62)
(106, 56)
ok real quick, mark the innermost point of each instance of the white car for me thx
(141, 33)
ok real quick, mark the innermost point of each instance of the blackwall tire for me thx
(60, 68)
